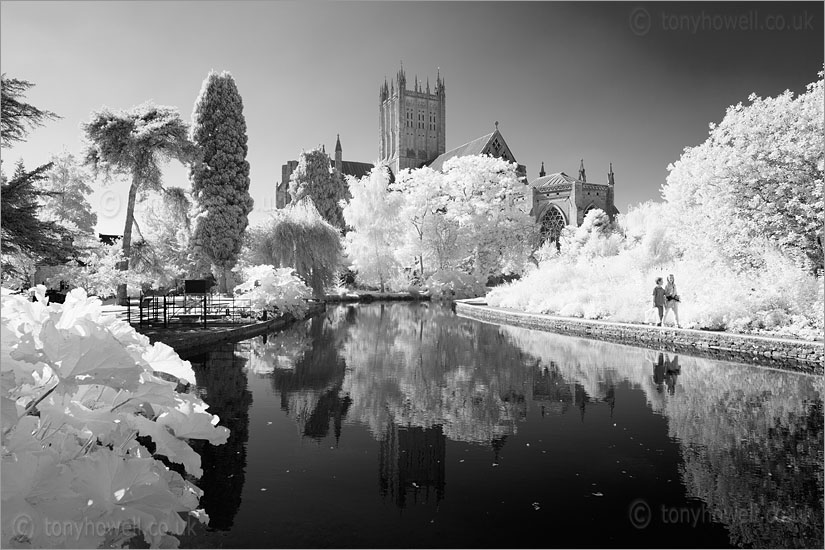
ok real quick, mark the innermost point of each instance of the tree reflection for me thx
(306, 371)
(221, 381)
(424, 367)
(751, 438)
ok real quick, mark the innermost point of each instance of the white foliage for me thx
(97, 272)
(473, 217)
(274, 289)
(373, 213)
(74, 471)
(454, 285)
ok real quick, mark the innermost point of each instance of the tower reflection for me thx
(411, 463)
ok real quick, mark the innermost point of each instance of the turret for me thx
(402, 79)
(384, 92)
(338, 154)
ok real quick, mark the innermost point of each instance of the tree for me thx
(472, 217)
(26, 238)
(97, 271)
(135, 142)
(297, 236)
(17, 118)
(488, 202)
(162, 249)
(373, 214)
(759, 175)
(220, 181)
(423, 201)
(65, 203)
(315, 178)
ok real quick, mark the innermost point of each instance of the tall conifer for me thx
(220, 181)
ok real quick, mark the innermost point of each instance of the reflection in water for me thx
(665, 373)
(412, 461)
(306, 370)
(420, 365)
(221, 382)
(751, 438)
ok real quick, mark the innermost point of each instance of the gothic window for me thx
(551, 225)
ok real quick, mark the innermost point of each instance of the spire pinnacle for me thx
(542, 173)
(582, 175)
(610, 180)
(338, 143)
(496, 126)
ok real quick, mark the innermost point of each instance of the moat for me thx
(403, 425)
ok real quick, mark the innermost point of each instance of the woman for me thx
(673, 299)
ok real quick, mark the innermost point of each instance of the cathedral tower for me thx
(411, 123)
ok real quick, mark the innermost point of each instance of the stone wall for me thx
(797, 355)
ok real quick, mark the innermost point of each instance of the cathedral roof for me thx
(353, 168)
(475, 147)
(559, 179)
(556, 181)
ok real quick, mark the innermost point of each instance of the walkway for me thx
(784, 353)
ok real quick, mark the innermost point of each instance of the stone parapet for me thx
(783, 353)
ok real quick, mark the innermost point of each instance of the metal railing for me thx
(191, 309)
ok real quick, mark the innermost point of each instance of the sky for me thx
(629, 83)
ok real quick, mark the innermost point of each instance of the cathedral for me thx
(412, 132)
(560, 200)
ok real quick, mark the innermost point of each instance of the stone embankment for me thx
(188, 341)
(788, 354)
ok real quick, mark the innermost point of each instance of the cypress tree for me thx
(220, 180)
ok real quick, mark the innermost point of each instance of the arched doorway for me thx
(552, 222)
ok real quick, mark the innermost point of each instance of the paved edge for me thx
(786, 354)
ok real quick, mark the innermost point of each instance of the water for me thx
(402, 425)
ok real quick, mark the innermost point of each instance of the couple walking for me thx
(666, 299)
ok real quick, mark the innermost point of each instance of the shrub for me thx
(275, 290)
(79, 388)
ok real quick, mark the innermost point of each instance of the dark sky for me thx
(629, 83)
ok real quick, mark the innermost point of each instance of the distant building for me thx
(412, 124)
(559, 200)
(412, 132)
(492, 144)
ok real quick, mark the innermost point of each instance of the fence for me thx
(191, 309)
